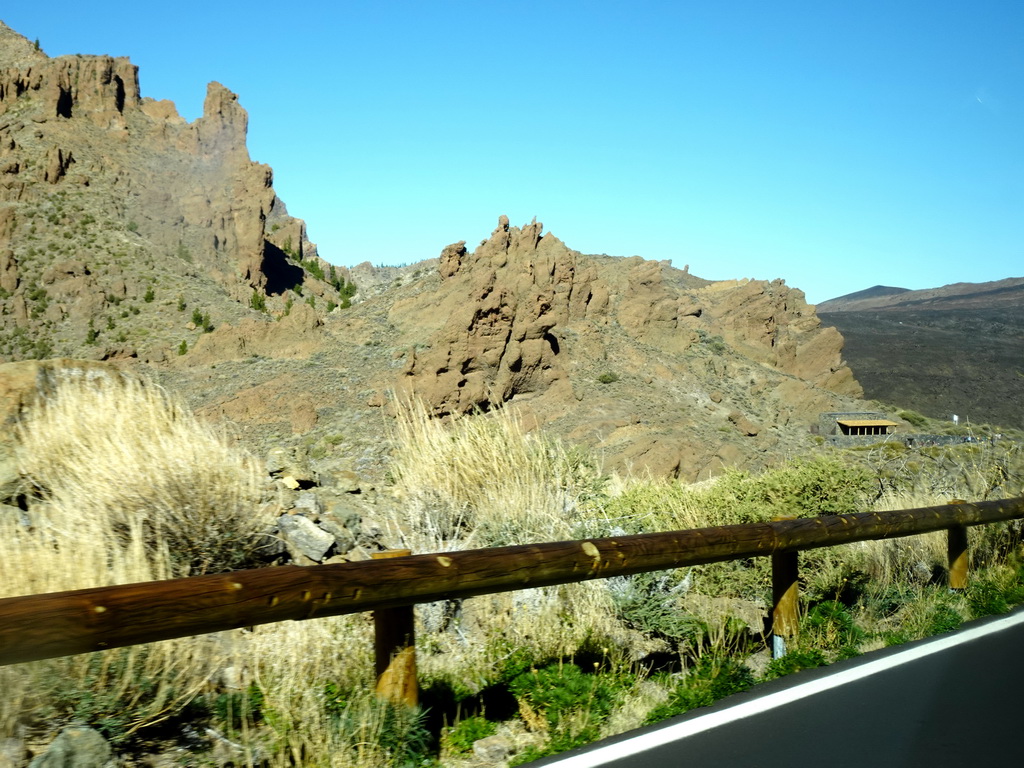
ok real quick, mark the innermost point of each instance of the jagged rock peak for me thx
(506, 297)
(142, 198)
(224, 124)
(504, 240)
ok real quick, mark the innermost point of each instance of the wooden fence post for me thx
(395, 648)
(785, 597)
(956, 549)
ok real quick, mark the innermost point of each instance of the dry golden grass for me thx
(118, 454)
(126, 486)
(480, 480)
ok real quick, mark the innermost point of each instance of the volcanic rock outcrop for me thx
(651, 365)
(93, 172)
(496, 340)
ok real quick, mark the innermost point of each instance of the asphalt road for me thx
(954, 700)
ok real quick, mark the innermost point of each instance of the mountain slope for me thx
(651, 367)
(126, 232)
(110, 203)
(958, 349)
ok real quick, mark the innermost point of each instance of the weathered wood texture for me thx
(394, 647)
(958, 556)
(65, 623)
(785, 594)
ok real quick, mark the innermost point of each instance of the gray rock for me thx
(278, 459)
(76, 747)
(341, 510)
(347, 481)
(283, 465)
(339, 530)
(308, 504)
(305, 536)
(12, 753)
(493, 749)
(269, 545)
(370, 535)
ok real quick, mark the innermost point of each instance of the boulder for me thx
(304, 536)
(76, 747)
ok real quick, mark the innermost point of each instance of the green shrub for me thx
(986, 599)
(714, 677)
(830, 627)
(574, 703)
(794, 661)
(608, 378)
(258, 301)
(943, 619)
(149, 295)
(313, 267)
(201, 321)
(237, 709)
(915, 418)
(458, 739)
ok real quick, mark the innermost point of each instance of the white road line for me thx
(641, 743)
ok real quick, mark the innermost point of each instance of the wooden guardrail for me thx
(64, 623)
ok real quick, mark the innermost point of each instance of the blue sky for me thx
(837, 145)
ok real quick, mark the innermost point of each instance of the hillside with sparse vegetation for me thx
(187, 388)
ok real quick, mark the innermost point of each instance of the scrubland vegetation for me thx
(127, 486)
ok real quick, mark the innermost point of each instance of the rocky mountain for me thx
(958, 349)
(110, 201)
(128, 233)
(653, 368)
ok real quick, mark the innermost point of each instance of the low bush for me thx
(712, 678)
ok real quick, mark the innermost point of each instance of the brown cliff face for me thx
(654, 367)
(92, 172)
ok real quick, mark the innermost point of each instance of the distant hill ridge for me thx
(956, 295)
(955, 349)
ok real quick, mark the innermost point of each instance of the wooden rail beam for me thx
(65, 623)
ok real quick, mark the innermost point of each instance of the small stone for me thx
(278, 459)
(347, 481)
(10, 478)
(342, 535)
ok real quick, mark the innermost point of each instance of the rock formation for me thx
(93, 172)
(496, 340)
(527, 322)
(127, 232)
